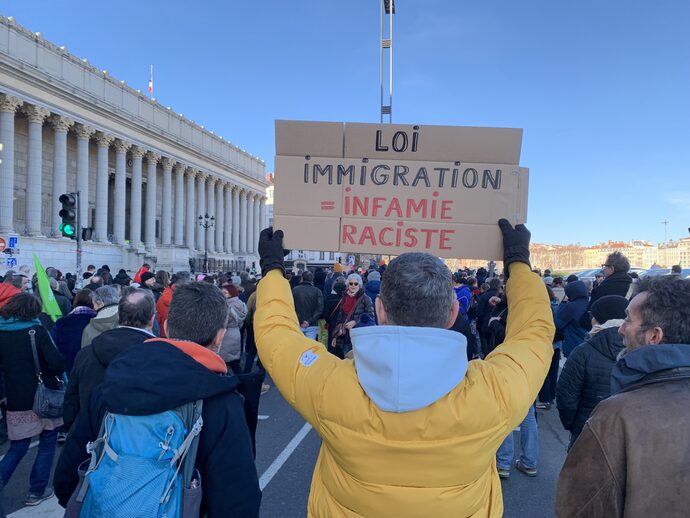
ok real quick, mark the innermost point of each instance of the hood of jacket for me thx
(636, 365)
(7, 291)
(107, 345)
(14, 324)
(608, 342)
(576, 290)
(372, 288)
(403, 369)
(160, 375)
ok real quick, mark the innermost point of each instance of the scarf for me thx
(613, 322)
(351, 301)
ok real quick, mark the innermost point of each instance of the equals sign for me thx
(327, 205)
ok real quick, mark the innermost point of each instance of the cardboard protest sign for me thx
(389, 189)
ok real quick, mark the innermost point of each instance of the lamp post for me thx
(206, 222)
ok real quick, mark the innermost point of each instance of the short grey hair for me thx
(417, 290)
(107, 295)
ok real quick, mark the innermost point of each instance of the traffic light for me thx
(68, 227)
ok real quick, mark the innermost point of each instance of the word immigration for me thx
(338, 173)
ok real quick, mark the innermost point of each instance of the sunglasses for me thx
(353, 284)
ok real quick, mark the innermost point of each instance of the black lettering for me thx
(342, 172)
(441, 174)
(415, 139)
(454, 181)
(421, 176)
(328, 170)
(381, 179)
(475, 178)
(380, 147)
(306, 173)
(396, 146)
(488, 178)
(399, 174)
(363, 175)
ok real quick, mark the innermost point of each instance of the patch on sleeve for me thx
(308, 357)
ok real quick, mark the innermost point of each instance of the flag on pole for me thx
(151, 82)
(50, 305)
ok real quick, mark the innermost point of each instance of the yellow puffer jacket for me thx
(438, 460)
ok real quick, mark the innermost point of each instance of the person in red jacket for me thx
(14, 283)
(163, 303)
(144, 268)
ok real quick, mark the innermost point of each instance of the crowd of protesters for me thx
(438, 367)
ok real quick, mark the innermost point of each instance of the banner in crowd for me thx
(389, 189)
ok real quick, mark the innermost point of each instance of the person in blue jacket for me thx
(569, 313)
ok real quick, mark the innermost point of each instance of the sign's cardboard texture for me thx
(389, 189)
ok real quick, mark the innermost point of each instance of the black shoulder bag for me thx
(47, 402)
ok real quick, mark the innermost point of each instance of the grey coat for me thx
(231, 348)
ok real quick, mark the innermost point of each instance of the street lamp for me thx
(206, 222)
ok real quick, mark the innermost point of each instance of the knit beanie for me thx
(609, 307)
(146, 276)
(374, 275)
(337, 267)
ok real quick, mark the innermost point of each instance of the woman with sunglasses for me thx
(355, 309)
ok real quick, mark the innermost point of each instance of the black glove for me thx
(271, 251)
(515, 244)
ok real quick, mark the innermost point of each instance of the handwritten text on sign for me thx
(386, 205)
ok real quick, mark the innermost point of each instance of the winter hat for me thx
(146, 276)
(231, 289)
(548, 280)
(236, 280)
(337, 267)
(374, 276)
(609, 307)
(572, 278)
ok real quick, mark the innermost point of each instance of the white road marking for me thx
(284, 456)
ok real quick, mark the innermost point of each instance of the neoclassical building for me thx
(144, 173)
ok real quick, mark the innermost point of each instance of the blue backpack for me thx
(144, 466)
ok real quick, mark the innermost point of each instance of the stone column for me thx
(250, 222)
(61, 125)
(84, 134)
(235, 220)
(257, 222)
(243, 221)
(120, 194)
(34, 176)
(8, 107)
(135, 200)
(179, 203)
(150, 228)
(101, 228)
(211, 210)
(200, 208)
(220, 216)
(262, 214)
(166, 203)
(227, 241)
(191, 219)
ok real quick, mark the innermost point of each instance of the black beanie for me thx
(146, 276)
(609, 307)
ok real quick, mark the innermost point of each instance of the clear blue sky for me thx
(601, 88)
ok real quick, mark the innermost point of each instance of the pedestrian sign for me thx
(11, 262)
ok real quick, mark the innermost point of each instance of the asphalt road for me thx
(287, 451)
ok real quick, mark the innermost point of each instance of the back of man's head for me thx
(495, 283)
(198, 310)
(676, 269)
(136, 308)
(618, 262)
(15, 279)
(182, 278)
(107, 295)
(417, 290)
(307, 276)
(666, 305)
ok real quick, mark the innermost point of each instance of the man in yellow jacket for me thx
(409, 428)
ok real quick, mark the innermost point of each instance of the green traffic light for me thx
(67, 229)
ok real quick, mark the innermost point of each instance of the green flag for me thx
(50, 305)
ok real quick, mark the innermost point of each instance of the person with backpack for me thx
(169, 399)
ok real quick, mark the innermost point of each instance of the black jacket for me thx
(90, 364)
(617, 283)
(308, 303)
(155, 377)
(17, 363)
(586, 378)
(484, 310)
(463, 327)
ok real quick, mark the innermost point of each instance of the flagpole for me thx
(151, 83)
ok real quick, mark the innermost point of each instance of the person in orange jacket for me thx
(163, 304)
(144, 268)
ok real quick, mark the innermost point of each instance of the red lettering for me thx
(444, 238)
(377, 205)
(348, 230)
(367, 233)
(362, 204)
(394, 206)
(429, 233)
(411, 238)
(382, 236)
(446, 206)
(416, 207)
